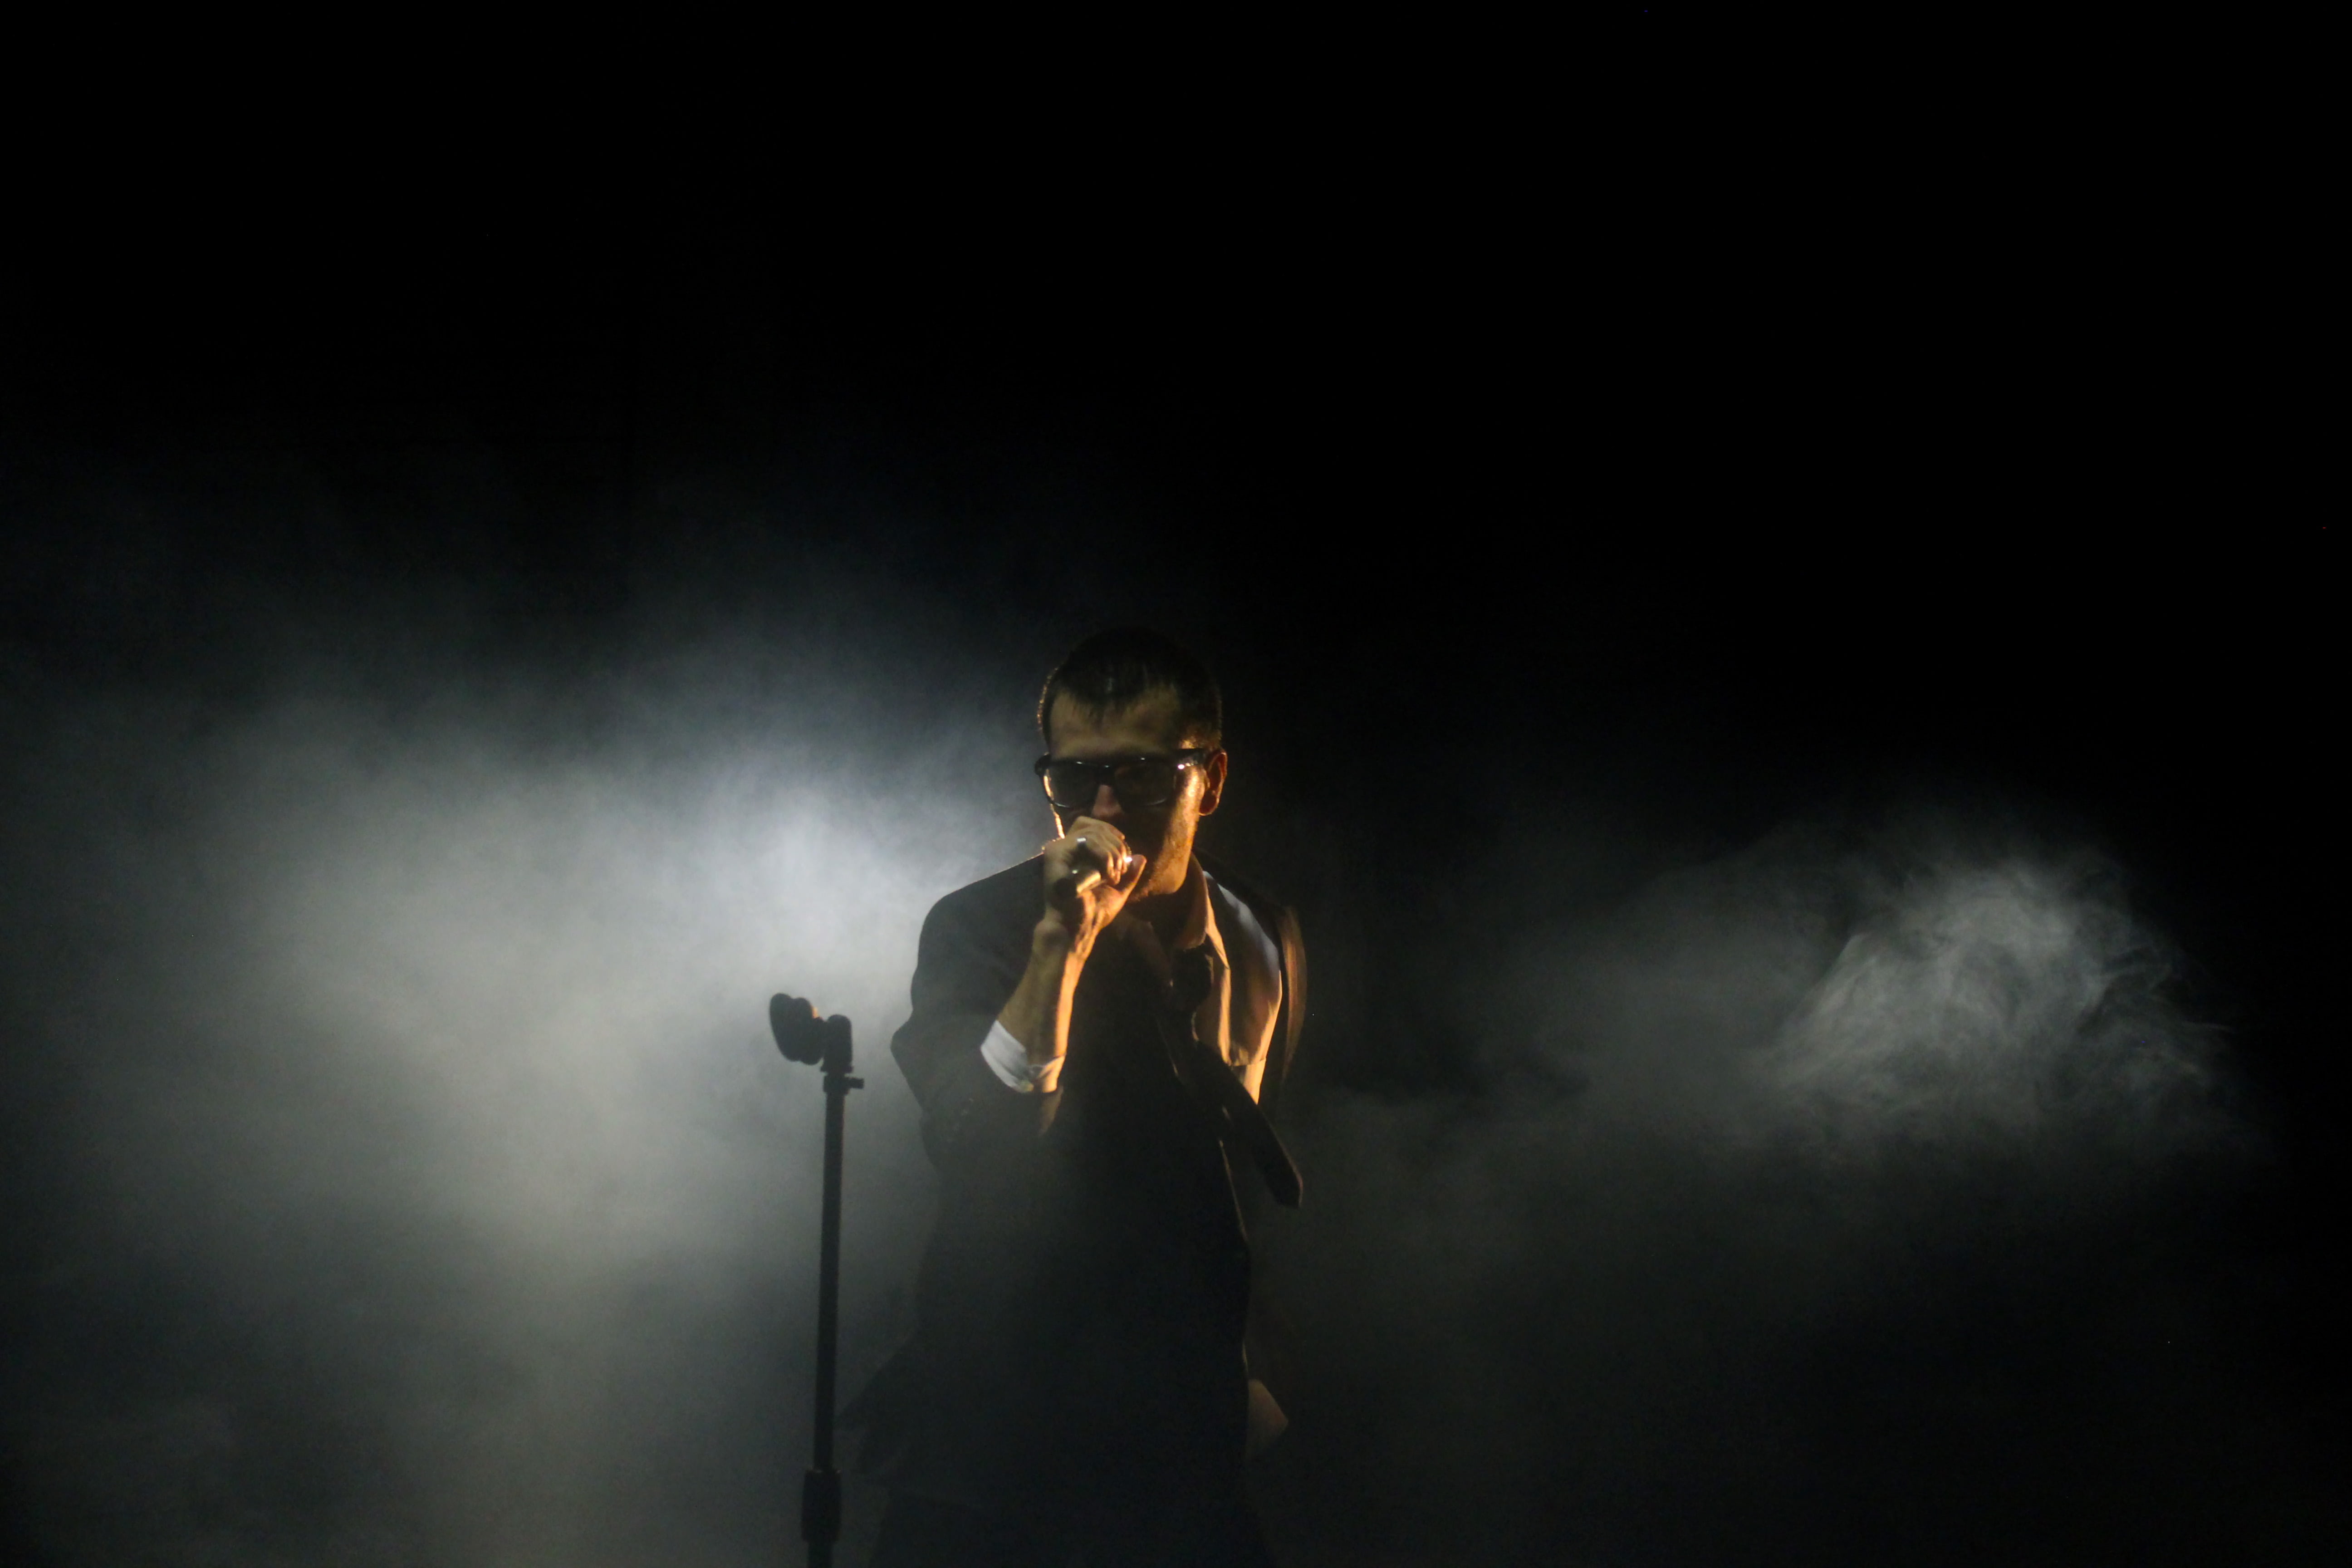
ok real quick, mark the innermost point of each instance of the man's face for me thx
(1148, 727)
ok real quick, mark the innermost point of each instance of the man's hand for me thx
(1090, 875)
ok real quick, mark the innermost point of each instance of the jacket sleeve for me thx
(966, 967)
(1279, 921)
(1293, 1021)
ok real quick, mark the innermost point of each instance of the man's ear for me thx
(1213, 783)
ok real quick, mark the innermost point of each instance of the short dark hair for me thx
(1111, 670)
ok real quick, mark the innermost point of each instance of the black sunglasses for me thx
(1141, 783)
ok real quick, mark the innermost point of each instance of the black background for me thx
(1689, 491)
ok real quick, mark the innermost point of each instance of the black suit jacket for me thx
(1082, 1307)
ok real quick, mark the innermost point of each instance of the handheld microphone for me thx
(1084, 874)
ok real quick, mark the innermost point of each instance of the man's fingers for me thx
(1121, 866)
(1091, 857)
(1097, 834)
(1100, 843)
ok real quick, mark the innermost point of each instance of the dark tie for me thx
(1187, 982)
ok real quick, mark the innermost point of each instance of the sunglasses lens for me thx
(1070, 785)
(1146, 783)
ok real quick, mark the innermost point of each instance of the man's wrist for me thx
(1012, 1063)
(1051, 942)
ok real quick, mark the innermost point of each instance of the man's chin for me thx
(1162, 882)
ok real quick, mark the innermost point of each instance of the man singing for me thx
(1093, 1032)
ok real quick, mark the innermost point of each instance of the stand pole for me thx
(803, 1038)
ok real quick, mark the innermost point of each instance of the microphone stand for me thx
(802, 1037)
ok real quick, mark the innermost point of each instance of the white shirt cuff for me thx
(1009, 1060)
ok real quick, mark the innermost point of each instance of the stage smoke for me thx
(407, 1176)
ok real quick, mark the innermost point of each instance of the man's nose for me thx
(1106, 806)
